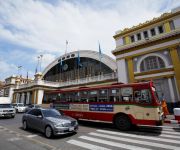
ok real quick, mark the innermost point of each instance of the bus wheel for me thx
(122, 122)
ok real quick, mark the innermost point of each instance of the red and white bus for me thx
(122, 104)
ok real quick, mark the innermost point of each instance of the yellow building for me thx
(151, 51)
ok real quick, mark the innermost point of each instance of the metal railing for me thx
(70, 82)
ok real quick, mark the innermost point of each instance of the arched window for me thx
(152, 63)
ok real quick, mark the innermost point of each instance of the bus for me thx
(124, 105)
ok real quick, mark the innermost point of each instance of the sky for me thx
(30, 28)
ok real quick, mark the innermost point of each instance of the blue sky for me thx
(29, 28)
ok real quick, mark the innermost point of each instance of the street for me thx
(91, 135)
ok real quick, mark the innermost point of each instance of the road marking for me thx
(87, 145)
(134, 141)
(14, 139)
(31, 136)
(131, 147)
(140, 136)
(175, 133)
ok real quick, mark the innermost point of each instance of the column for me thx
(130, 69)
(22, 98)
(33, 96)
(176, 65)
(27, 98)
(122, 71)
(167, 27)
(171, 90)
(39, 97)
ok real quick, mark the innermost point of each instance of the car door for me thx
(38, 120)
(31, 115)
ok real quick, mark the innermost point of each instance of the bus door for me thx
(142, 101)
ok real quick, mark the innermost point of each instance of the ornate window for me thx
(152, 63)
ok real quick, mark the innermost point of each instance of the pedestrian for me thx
(164, 106)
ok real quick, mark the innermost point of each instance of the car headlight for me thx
(58, 125)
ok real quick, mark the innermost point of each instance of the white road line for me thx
(135, 141)
(31, 136)
(87, 145)
(131, 147)
(140, 136)
(163, 127)
(175, 133)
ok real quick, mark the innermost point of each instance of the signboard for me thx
(61, 106)
(101, 107)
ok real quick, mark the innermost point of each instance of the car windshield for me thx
(20, 105)
(51, 113)
(6, 106)
(37, 106)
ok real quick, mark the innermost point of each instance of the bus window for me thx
(142, 96)
(103, 95)
(114, 95)
(83, 99)
(93, 96)
(126, 94)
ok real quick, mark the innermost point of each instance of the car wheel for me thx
(12, 116)
(25, 126)
(48, 132)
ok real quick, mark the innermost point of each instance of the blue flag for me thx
(78, 59)
(61, 63)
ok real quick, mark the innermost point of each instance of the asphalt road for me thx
(91, 135)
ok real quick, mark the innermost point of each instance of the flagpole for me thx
(100, 55)
(66, 47)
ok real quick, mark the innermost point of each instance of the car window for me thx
(35, 112)
(20, 105)
(37, 106)
(6, 106)
(50, 113)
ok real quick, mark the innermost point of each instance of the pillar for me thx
(176, 65)
(122, 71)
(27, 98)
(130, 69)
(171, 90)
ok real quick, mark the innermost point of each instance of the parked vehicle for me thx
(49, 121)
(7, 110)
(19, 107)
(32, 106)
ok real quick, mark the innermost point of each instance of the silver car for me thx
(49, 121)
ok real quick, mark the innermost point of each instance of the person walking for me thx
(164, 106)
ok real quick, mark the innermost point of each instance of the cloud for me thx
(44, 26)
(44, 61)
(6, 69)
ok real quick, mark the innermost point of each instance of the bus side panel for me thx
(107, 117)
(90, 115)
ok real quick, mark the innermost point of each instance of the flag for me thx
(36, 70)
(27, 75)
(78, 60)
(61, 63)
(100, 54)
